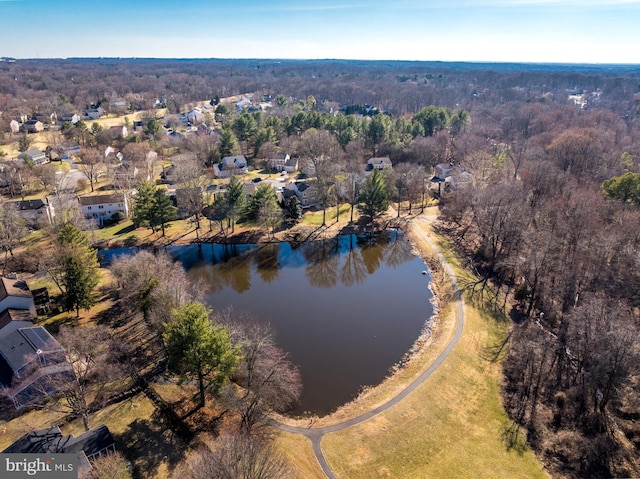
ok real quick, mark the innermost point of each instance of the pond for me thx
(346, 309)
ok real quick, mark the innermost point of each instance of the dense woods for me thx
(550, 222)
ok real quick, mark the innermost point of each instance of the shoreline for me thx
(431, 327)
(412, 363)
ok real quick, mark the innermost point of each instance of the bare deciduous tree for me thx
(268, 380)
(235, 457)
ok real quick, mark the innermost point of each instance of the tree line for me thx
(552, 226)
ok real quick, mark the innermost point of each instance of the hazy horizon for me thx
(487, 31)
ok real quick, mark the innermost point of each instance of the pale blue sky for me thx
(572, 31)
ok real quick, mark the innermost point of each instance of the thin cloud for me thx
(311, 7)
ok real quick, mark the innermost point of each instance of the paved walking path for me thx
(315, 435)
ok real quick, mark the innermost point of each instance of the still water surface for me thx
(346, 309)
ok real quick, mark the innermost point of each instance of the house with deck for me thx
(88, 446)
(34, 157)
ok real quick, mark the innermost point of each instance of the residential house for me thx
(119, 105)
(305, 192)
(93, 113)
(118, 131)
(15, 294)
(34, 157)
(449, 176)
(32, 126)
(442, 170)
(33, 365)
(195, 116)
(103, 207)
(36, 213)
(50, 119)
(379, 163)
(244, 102)
(73, 118)
(88, 446)
(69, 150)
(203, 130)
(14, 125)
(458, 180)
(283, 162)
(231, 165)
(20, 318)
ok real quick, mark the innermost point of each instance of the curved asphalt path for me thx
(315, 435)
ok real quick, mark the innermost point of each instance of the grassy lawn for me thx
(298, 452)
(141, 434)
(450, 427)
(314, 218)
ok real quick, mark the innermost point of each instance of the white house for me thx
(379, 163)
(14, 126)
(231, 165)
(15, 294)
(103, 207)
(283, 162)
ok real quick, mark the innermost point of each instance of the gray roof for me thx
(238, 161)
(18, 348)
(51, 441)
(301, 185)
(36, 442)
(14, 287)
(30, 205)
(380, 161)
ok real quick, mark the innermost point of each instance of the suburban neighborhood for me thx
(144, 200)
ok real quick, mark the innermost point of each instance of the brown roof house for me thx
(15, 294)
(104, 208)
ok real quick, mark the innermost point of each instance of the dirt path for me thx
(420, 226)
